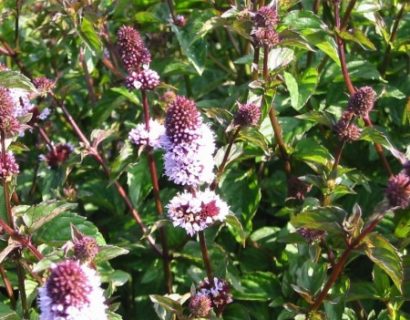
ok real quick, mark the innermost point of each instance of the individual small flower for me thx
(196, 212)
(85, 249)
(265, 37)
(217, 291)
(44, 85)
(182, 120)
(72, 292)
(297, 189)
(200, 306)
(266, 17)
(152, 137)
(248, 114)
(133, 52)
(398, 191)
(362, 101)
(58, 155)
(44, 114)
(311, 235)
(180, 21)
(146, 79)
(8, 165)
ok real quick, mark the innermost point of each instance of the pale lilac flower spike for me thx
(189, 145)
(152, 137)
(72, 292)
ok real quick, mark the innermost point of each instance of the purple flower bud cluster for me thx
(85, 249)
(398, 190)
(58, 155)
(311, 235)
(345, 128)
(136, 59)
(133, 52)
(248, 114)
(9, 110)
(264, 27)
(360, 104)
(362, 101)
(8, 165)
(72, 292)
(44, 85)
(217, 292)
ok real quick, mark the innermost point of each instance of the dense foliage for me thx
(300, 208)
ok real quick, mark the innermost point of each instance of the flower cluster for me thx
(85, 249)
(398, 190)
(189, 145)
(8, 165)
(362, 101)
(145, 80)
(345, 128)
(248, 114)
(136, 59)
(311, 235)
(9, 110)
(217, 291)
(140, 136)
(57, 155)
(134, 54)
(195, 212)
(264, 23)
(72, 292)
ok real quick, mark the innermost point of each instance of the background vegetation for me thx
(281, 175)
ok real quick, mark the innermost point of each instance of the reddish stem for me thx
(158, 203)
(8, 286)
(341, 51)
(205, 255)
(99, 158)
(338, 268)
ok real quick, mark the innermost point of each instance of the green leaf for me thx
(257, 286)
(38, 215)
(385, 256)
(293, 89)
(139, 181)
(131, 96)
(193, 47)
(58, 230)
(301, 89)
(359, 37)
(309, 150)
(14, 79)
(236, 228)
(109, 252)
(329, 219)
(242, 192)
(314, 30)
(279, 58)
(90, 37)
(7, 314)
